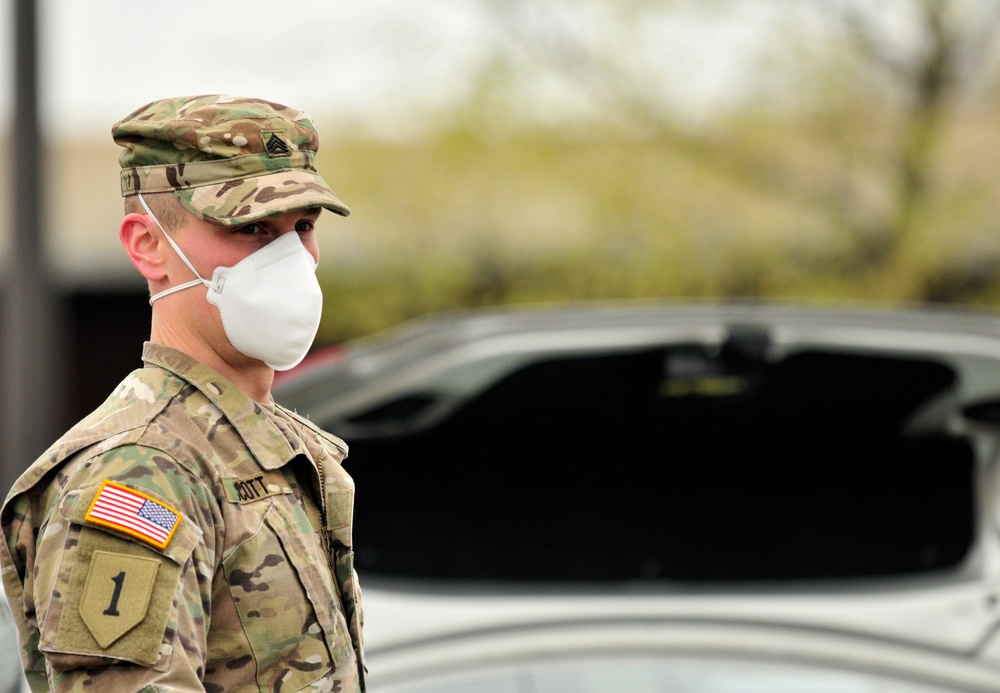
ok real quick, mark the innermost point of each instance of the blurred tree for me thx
(834, 150)
(929, 57)
(601, 62)
(901, 66)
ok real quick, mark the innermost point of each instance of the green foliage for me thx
(764, 209)
(853, 182)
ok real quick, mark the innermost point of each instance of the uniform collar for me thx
(263, 438)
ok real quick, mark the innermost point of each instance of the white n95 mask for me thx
(270, 301)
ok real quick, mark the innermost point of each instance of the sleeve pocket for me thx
(114, 597)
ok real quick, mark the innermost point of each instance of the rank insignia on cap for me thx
(274, 145)
(134, 513)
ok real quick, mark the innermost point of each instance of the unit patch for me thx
(134, 513)
(116, 594)
(116, 602)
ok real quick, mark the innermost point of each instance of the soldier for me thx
(191, 534)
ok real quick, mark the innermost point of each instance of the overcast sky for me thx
(369, 60)
(361, 59)
(103, 58)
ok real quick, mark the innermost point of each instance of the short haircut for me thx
(168, 209)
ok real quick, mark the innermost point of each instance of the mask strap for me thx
(180, 253)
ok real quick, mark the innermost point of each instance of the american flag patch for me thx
(133, 513)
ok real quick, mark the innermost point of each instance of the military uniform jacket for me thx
(183, 537)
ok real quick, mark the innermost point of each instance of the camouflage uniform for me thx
(254, 590)
(184, 537)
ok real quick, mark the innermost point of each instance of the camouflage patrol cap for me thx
(230, 160)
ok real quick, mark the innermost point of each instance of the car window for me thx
(670, 464)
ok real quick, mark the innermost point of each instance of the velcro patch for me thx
(116, 594)
(118, 603)
(251, 489)
(274, 145)
(134, 513)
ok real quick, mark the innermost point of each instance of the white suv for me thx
(674, 498)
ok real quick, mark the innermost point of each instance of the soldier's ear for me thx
(144, 244)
